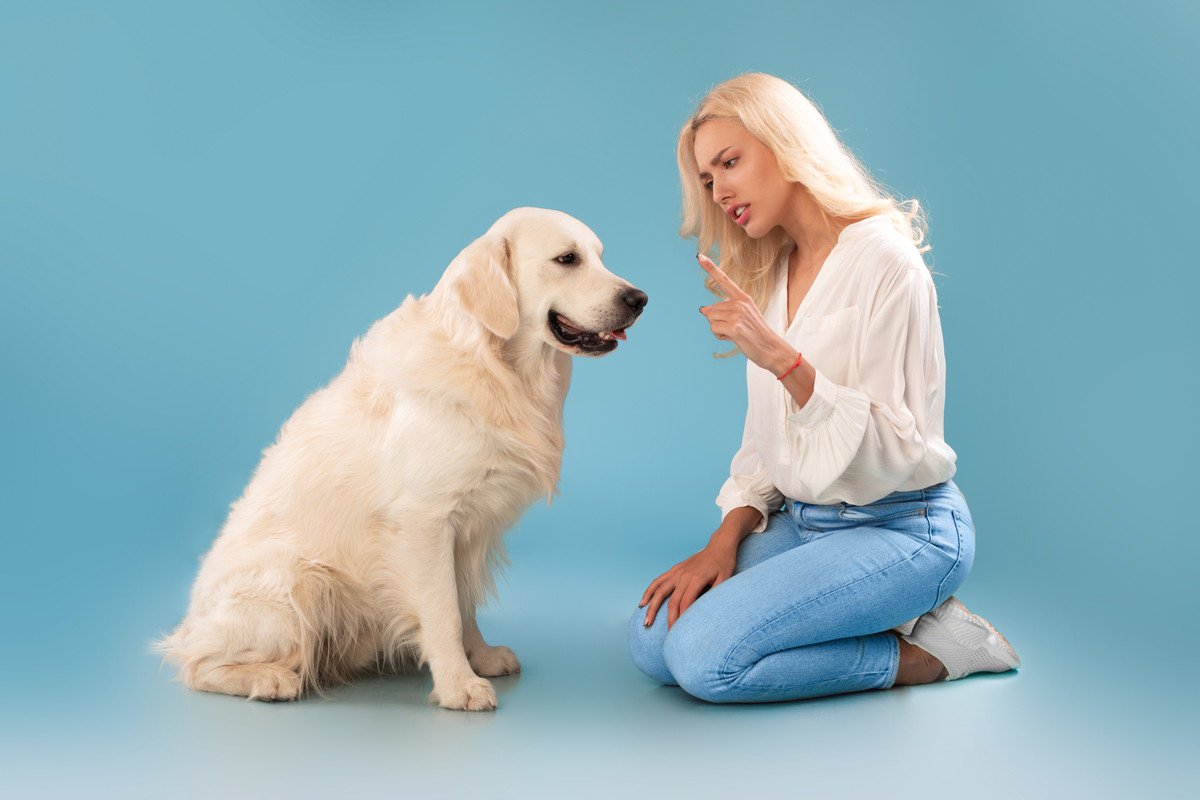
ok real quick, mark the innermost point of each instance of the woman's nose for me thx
(720, 193)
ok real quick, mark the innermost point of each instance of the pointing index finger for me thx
(732, 290)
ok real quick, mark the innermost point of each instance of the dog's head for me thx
(538, 272)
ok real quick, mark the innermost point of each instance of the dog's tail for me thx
(167, 646)
(171, 647)
(318, 625)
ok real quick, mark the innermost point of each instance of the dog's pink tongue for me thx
(620, 334)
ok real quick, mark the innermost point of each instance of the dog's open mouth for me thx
(572, 335)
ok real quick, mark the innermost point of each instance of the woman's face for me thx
(741, 175)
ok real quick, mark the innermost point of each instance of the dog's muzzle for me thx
(602, 341)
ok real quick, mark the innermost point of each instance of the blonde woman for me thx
(843, 537)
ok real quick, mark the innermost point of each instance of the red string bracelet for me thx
(799, 358)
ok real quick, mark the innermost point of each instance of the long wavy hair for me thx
(808, 152)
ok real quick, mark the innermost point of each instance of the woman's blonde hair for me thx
(808, 152)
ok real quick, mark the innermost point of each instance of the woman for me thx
(829, 298)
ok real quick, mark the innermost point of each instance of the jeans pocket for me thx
(895, 506)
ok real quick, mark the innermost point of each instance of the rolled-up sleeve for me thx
(863, 443)
(749, 483)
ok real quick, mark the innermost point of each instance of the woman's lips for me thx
(745, 216)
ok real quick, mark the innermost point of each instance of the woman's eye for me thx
(707, 184)
(730, 162)
(566, 258)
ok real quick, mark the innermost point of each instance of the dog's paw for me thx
(493, 661)
(274, 683)
(473, 694)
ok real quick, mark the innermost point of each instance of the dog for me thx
(369, 533)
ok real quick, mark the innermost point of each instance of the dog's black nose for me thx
(635, 299)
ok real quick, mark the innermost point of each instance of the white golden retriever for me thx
(370, 529)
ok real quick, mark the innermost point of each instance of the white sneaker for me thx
(964, 642)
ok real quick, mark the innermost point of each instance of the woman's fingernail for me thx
(697, 256)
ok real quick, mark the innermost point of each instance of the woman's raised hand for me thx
(738, 320)
(687, 580)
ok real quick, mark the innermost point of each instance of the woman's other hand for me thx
(738, 320)
(688, 579)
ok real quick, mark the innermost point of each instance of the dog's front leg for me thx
(440, 635)
(486, 660)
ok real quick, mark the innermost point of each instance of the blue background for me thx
(202, 205)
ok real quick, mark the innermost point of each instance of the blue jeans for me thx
(809, 609)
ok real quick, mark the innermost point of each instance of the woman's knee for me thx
(646, 645)
(696, 663)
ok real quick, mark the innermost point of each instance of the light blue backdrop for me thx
(201, 205)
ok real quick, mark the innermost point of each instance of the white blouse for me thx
(869, 326)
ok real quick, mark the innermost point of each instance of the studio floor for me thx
(580, 721)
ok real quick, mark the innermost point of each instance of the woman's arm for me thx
(690, 578)
(749, 482)
(737, 525)
(739, 320)
(746, 499)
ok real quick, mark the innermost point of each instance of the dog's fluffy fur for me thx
(370, 530)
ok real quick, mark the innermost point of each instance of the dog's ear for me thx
(484, 284)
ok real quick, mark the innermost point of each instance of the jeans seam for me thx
(894, 664)
(957, 555)
(869, 673)
(726, 673)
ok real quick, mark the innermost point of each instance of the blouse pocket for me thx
(839, 317)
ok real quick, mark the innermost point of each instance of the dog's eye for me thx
(567, 258)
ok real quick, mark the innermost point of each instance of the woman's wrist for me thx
(783, 357)
(736, 526)
(724, 539)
